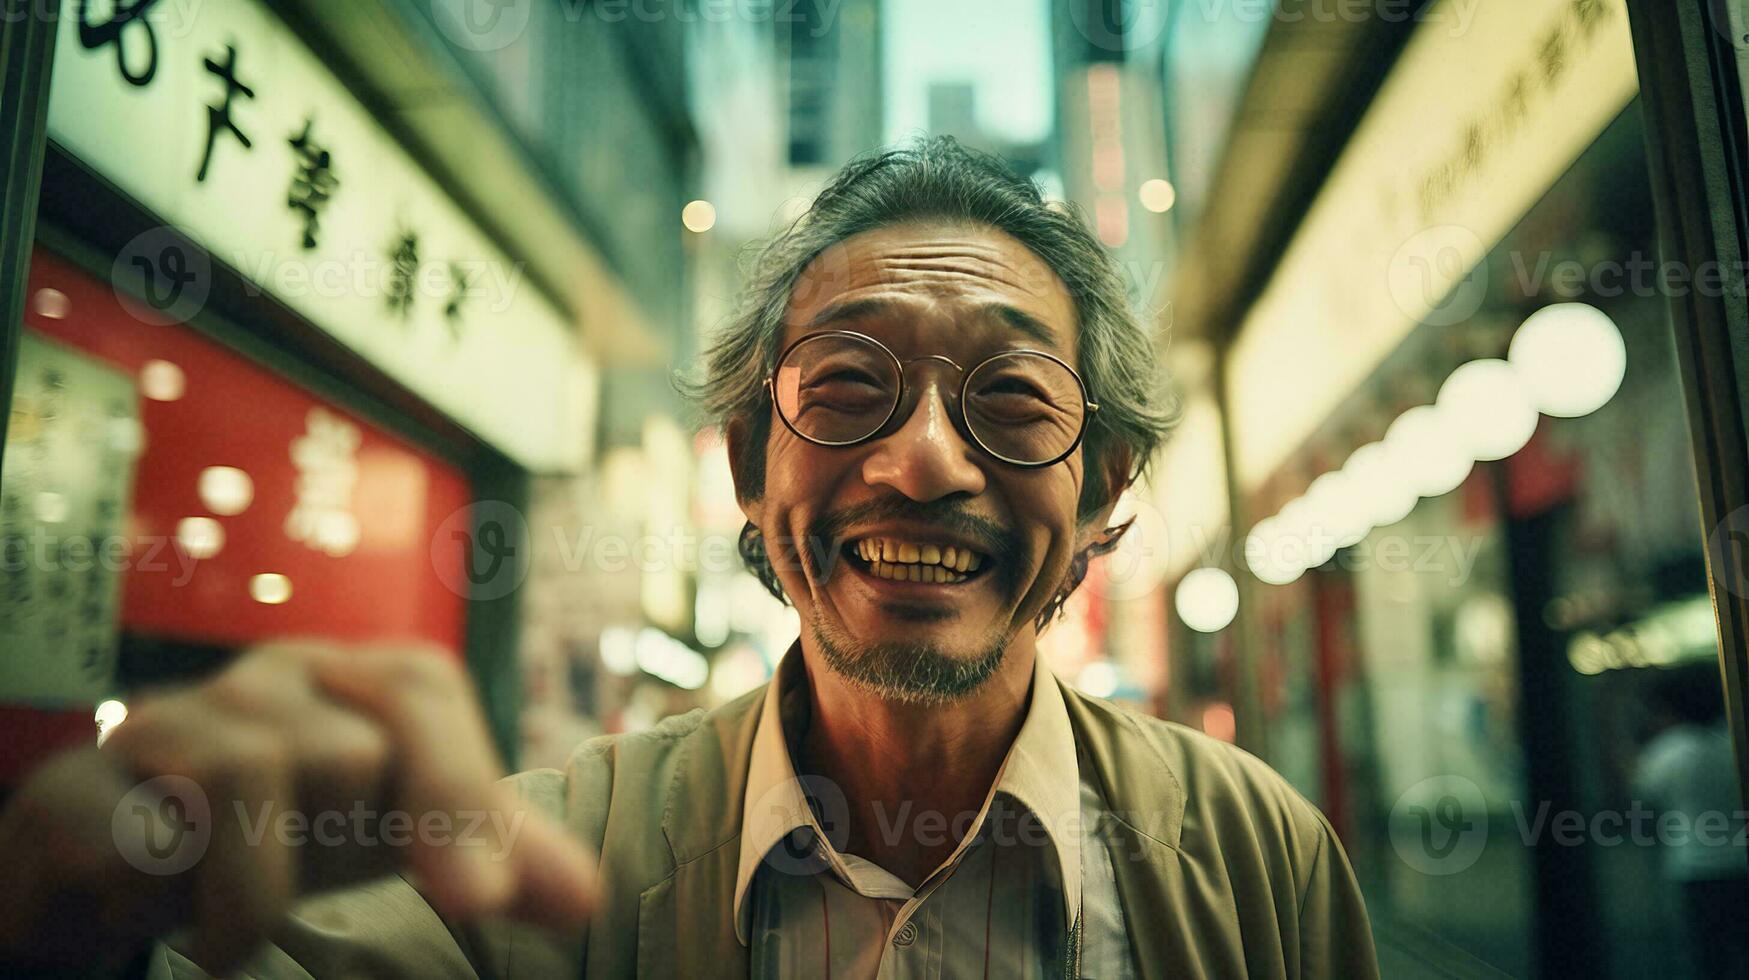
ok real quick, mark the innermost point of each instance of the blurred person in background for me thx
(1685, 774)
(933, 398)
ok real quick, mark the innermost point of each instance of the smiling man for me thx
(933, 398)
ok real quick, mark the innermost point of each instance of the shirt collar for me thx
(1040, 772)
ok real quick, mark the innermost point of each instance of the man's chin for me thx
(913, 671)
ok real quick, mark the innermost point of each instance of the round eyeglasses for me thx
(840, 388)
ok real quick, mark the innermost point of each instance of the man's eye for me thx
(844, 391)
(844, 379)
(1012, 386)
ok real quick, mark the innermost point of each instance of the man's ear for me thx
(1117, 470)
(747, 489)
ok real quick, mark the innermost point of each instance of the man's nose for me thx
(927, 458)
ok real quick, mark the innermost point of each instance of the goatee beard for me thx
(912, 673)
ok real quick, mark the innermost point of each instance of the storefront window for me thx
(1518, 704)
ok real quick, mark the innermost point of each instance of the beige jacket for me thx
(1224, 870)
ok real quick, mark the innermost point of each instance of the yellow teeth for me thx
(890, 551)
(915, 573)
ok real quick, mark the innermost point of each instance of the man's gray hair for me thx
(938, 179)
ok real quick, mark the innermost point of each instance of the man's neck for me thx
(913, 776)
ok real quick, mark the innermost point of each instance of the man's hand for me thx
(300, 752)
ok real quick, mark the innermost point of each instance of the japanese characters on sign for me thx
(69, 466)
(216, 118)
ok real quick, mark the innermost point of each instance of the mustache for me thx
(946, 514)
(1002, 543)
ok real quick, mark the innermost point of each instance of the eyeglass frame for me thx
(957, 411)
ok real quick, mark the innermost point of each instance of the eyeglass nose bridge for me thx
(910, 395)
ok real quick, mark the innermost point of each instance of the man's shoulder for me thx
(638, 769)
(1221, 788)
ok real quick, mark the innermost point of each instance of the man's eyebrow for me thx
(1023, 321)
(857, 309)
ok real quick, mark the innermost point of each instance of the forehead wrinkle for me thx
(977, 264)
(972, 277)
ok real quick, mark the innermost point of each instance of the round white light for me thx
(225, 490)
(1571, 358)
(52, 304)
(270, 588)
(1098, 678)
(699, 216)
(1293, 528)
(1425, 444)
(1339, 509)
(109, 714)
(162, 381)
(1265, 555)
(619, 651)
(1208, 599)
(1381, 484)
(1158, 195)
(200, 537)
(1487, 403)
(51, 507)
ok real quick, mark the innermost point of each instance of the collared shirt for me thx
(1029, 891)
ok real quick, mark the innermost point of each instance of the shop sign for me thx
(1471, 128)
(217, 119)
(70, 455)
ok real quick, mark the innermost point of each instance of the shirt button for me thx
(907, 934)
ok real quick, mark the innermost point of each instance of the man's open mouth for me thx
(902, 560)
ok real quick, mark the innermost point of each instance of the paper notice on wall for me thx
(65, 487)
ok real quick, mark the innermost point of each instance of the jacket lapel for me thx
(686, 924)
(1146, 804)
